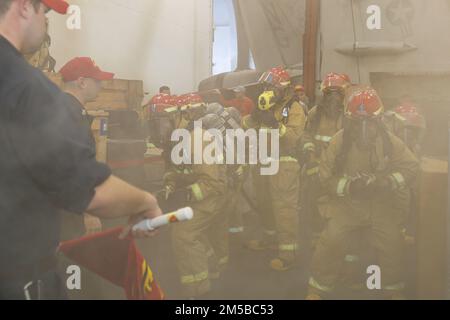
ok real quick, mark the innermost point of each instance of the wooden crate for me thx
(115, 94)
(119, 94)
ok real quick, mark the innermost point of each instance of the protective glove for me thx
(362, 186)
(383, 183)
(311, 168)
(268, 120)
(265, 118)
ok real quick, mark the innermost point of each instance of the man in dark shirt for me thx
(82, 84)
(45, 165)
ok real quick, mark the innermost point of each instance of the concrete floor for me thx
(247, 277)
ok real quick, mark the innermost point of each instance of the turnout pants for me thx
(278, 204)
(382, 230)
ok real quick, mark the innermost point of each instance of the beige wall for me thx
(422, 24)
(158, 41)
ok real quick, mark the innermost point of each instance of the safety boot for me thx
(279, 264)
(314, 294)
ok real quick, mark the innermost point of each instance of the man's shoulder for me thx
(16, 72)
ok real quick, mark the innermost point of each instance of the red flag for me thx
(118, 261)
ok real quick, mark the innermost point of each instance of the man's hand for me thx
(266, 118)
(153, 210)
(383, 183)
(362, 186)
(92, 224)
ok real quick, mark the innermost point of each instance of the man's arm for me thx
(115, 198)
(49, 148)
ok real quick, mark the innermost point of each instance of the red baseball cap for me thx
(83, 67)
(59, 6)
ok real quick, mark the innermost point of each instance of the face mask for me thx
(364, 133)
(334, 103)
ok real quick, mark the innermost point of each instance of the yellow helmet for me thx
(266, 100)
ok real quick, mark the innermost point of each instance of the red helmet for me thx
(335, 81)
(181, 100)
(409, 115)
(299, 88)
(160, 102)
(191, 100)
(364, 104)
(277, 77)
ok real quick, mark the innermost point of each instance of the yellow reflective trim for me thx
(236, 230)
(313, 283)
(283, 130)
(309, 146)
(223, 260)
(288, 159)
(197, 105)
(245, 123)
(193, 278)
(341, 187)
(197, 192)
(312, 171)
(395, 287)
(287, 247)
(171, 109)
(351, 258)
(323, 138)
(399, 179)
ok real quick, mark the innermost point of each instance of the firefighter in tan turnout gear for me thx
(201, 187)
(410, 126)
(224, 119)
(361, 170)
(278, 195)
(324, 121)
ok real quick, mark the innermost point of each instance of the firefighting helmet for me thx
(334, 81)
(410, 117)
(181, 101)
(161, 102)
(191, 101)
(364, 104)
(299, 88)
(277, 77)
(266, 100)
